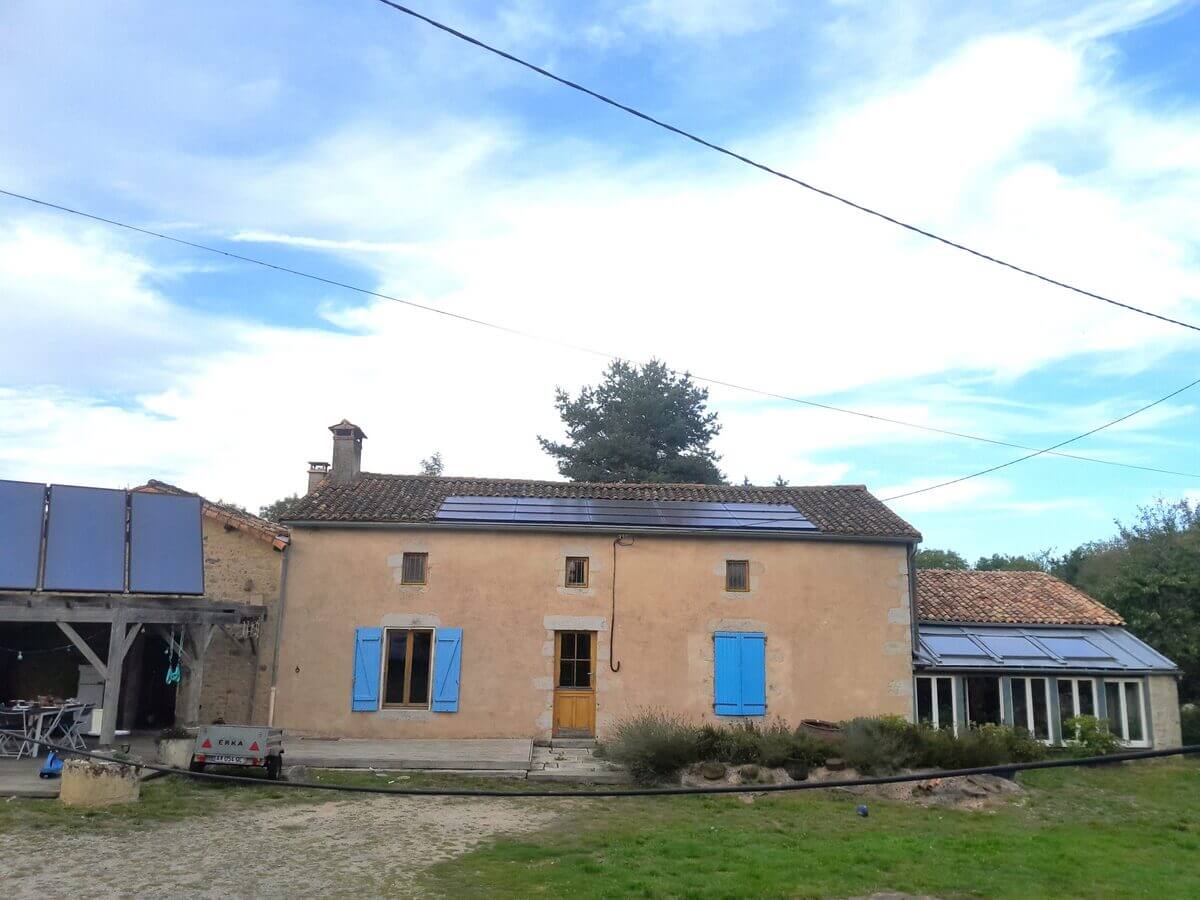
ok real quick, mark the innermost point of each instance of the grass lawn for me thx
(1120, 831)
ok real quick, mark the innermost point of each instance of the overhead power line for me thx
(1051, 449)
(908, 226)
(516, 332)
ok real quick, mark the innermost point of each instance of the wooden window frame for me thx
(737, 590)
(424, 568)
(558, 659)
(587, 567)
(408, 664)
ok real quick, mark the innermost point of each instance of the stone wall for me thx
(239, 567)
(1164, 711)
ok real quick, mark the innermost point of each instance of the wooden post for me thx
(200, 636)
(112, 681)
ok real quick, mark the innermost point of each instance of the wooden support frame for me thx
(82, 646)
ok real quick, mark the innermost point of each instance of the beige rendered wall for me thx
(1164, 711)
(836, 617)
(239, 567)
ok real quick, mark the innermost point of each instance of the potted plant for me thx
(174, 747)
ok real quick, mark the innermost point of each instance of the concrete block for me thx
(90, 782)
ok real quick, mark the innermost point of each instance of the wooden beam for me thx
(112, 682)
(200, 636)
(37, 612)
(82, 646)
(131, 637)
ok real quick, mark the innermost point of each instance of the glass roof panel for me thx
(1075, 648)
(1013, 647)
(952, 645)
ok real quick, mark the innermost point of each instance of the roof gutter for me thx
(609, 529)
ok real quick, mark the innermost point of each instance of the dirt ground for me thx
(373, 845)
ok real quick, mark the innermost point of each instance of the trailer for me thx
(239, 745)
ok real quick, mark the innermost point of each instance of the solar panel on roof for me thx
(1013, 647)
(953, 645)
(1074, 648)
(166, 553)
(85, 539)
(620, 512)
(21, 508)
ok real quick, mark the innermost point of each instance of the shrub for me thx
(1091, 736)
(175, 733)
(888, 744)
(739, 743)
(1189, 720)
(653, 745)
(880, 745)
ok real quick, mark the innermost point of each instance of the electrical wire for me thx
(527, 335)
(915, 229)
(1013, 462)
(1004, 770)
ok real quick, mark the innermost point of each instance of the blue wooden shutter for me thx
(447, 665)
(739, 673)
(368, 660)
(754, 674)
(727, 693)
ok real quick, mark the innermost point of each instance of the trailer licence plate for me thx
(235, 760)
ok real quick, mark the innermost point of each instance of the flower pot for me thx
(175, 752)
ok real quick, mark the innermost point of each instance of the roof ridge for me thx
(443, 479)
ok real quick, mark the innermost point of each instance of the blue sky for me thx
(359, 144)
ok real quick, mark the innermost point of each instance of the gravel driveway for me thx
(366, 846)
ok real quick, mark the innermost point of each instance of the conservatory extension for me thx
(1027, 650)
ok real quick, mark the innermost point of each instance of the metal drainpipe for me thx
(912, 617)
(278, 633)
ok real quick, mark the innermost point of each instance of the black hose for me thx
(1003, 770)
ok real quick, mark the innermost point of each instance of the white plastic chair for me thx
(11, 746)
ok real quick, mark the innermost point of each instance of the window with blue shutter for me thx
(447, 665)
(740, 673)
(368, 660)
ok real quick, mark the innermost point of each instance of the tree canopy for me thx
(640, 424)
(433, 465)
(273, 512)
(1150, 574)
(940, 559)
(1003, 562)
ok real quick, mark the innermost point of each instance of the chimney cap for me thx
(318, 466)
(348, 428)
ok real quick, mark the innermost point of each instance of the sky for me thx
(363, 146)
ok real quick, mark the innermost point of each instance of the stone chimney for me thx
(317, 472)
(347, 451)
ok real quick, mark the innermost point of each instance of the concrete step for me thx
(573, 743)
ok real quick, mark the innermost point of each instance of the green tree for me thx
(1003, 562)
(640, 424)
(940, 559)
(274, 512)
(1155, 584)
(433, 465)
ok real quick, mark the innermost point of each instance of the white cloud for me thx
(717, 268)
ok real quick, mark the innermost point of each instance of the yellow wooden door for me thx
(574, 684)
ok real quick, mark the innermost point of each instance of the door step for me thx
(572, 743)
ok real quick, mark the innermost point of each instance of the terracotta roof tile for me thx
(1031, 598)
(848, 510)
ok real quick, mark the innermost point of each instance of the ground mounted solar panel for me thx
(623, 513)
(22, 506)
(166, 553)
(85, 539)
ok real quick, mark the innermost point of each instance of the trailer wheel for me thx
(194, 766)
(274, 766)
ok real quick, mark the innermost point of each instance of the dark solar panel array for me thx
(627, 513)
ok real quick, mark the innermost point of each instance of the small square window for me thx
(577, 571)
(412, 570)
(737, 575)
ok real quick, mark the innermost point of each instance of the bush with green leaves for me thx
(1089, 736)
(653, 745)
(1189, 720)
(888, 744)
